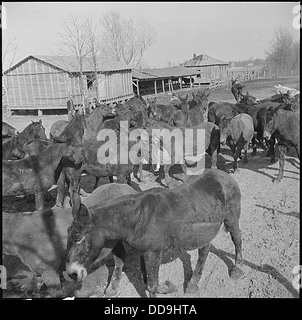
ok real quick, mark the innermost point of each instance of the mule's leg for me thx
(245, 153)
(233, 227)
(202, 257)
(282, 151)
(97, 179)
(166, 171)
(118, 256)
(138, 169)
(60, 189)
(39, 196)
(271, 150)
(110, 179)
(152, 262)
(254, 146)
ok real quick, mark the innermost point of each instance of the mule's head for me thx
(37, 130)
(225, 129)
(249, 99)
(269, 122)
(84, 243)
(74, 153)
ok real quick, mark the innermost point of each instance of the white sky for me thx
(226, 31)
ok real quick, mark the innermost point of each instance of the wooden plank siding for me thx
(34, 84)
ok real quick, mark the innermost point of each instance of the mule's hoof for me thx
(236, 273)
(272, 161)
(167, 287)
(110, 292)
(191, 288)
(59, 204)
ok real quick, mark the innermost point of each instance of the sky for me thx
(226, 31)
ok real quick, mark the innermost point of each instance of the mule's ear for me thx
(40, 121)
(75, 202)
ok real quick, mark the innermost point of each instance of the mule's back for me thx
(242, 123)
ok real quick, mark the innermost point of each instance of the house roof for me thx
(160, 73)
(203, 60)
(69, 64)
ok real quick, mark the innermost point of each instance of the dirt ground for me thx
(269, 223)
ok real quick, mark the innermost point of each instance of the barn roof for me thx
(203, 60)
(69, 64)
(161, 73)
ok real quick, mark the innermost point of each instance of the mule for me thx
(237, 132)
(185, 218)
(34, 130)
(285, 125)
(8, 132)
(161, 112)
(39, 238)
(219, 110)
(190, 116)
(212, 144)
(57, 128)
(236, 89)
(94, 163)
(35, 174)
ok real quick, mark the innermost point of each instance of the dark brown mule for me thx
(34, 130)
(36, 174)
(236, 89)
(39, 239)
(285, 125)
(161, 112)
(185, 218)
(237, 132)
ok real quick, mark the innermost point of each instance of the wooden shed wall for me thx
(114, 85)
(37, 85)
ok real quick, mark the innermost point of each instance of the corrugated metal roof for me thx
(70, 64)
(203, 60)
(171, 72)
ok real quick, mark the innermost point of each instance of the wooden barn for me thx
(46, 83)
(212, 71)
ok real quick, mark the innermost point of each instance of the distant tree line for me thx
(282, 57)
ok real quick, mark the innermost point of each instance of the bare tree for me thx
(280, 52)
(126, 40)
(9, 54)
(75, 42)
(95, 50)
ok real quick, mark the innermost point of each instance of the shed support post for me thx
(137, 83)
(163, 84)
(155, 88)
(180, 80)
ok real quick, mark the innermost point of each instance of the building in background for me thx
(46, 83)
(212, 72)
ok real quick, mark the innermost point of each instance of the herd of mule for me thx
(70, 241)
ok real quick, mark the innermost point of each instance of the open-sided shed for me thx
(48, 82)
(162, 79)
